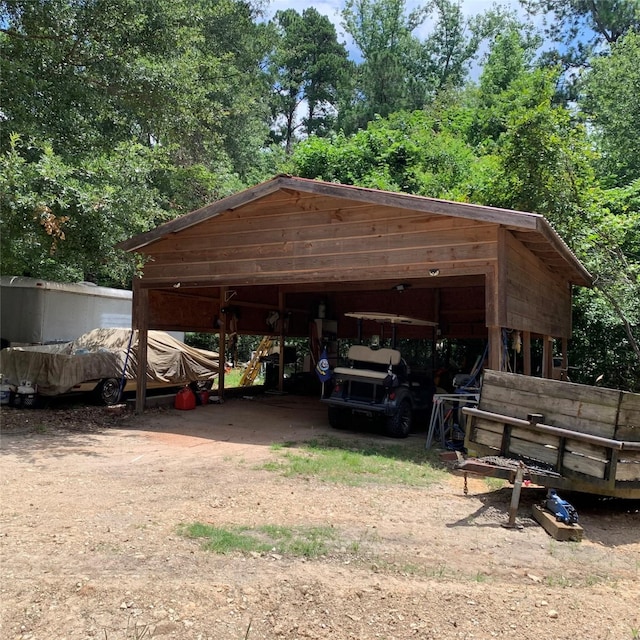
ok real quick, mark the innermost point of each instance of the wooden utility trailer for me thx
(569, 436)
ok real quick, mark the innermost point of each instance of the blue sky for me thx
(332, 8)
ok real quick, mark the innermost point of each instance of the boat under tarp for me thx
(104, 354)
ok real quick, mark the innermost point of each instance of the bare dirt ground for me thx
(92, 500)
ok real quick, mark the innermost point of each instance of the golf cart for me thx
(378, 383)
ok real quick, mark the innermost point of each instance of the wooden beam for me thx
(495, 349)
(547, 356)
(558, 530)
(502, 263)
(222, 355)
(281, 311)
(141, 323)
(526, 353)
(329, 272)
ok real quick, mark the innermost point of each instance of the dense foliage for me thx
(120, 114)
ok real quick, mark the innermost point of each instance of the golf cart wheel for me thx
(339, 418)
(399, 424)
(108, 391)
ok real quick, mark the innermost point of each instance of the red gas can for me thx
(185, 399)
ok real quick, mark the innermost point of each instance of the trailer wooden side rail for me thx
(573, 437)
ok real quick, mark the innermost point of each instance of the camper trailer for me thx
(35, 311)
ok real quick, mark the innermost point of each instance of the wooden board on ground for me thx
(558, 530)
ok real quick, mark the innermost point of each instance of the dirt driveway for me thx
(90, 547)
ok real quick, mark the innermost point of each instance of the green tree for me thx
(585, 23)
(407, 152)
(611, 99)
(307, 66)
(61, 222)
(383, 33)
(581, 29)
(454, 42)
(539, 155)
(398, 70)
(89, 75)
(607, 320)
(119, 114)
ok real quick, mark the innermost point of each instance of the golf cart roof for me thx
(390, 318)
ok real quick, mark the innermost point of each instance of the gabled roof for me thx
(532, 229)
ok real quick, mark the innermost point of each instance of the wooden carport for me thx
(289, 243)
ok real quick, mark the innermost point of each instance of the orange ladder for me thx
(253, 368)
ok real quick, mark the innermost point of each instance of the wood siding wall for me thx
(534, 298)
(281, 240)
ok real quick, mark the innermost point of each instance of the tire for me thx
(338, 418)
(108, 391)
(399, 424)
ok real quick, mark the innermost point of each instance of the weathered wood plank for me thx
(532, 450)
(629, 417)
(583, 464)
(337, 263)
(628, 470)
(490, 425)
(552, 388)
(544, 439)
(488, 438)
(259, 246)
(537, 299)
(323, 222)
(558, 530)
(587, 449)
(326, 276)
(563, 404)
(513, 386)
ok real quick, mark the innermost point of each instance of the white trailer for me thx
(34, 311)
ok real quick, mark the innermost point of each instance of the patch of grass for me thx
(558, 581)
(439, 571)
(495, 484)
(308, 542)
(356, 463)
(224, 540)
(232, 379)
(287, 444)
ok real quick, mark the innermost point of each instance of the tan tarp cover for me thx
(102, 353)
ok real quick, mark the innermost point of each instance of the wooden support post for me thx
(495, 348)
(565, 359)
(547, 357)
(222, 356)
(435, 330)
(281, 311)
(141, 323)
(515, 498)
(526, 353)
